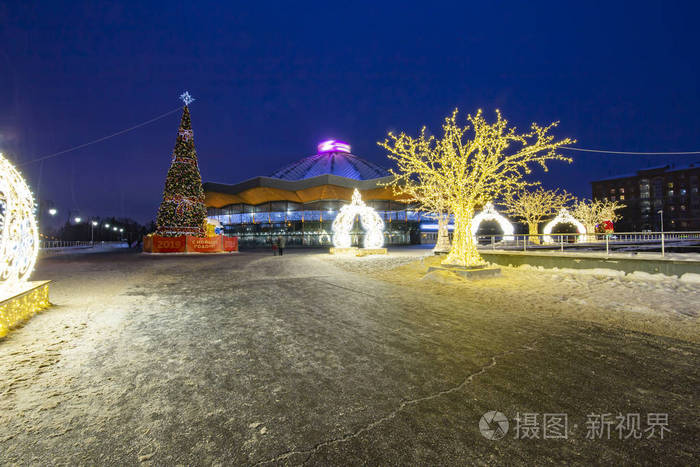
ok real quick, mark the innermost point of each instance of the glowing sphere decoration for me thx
(19, 236)
(489, 213)
(564, 217)
(371, 222)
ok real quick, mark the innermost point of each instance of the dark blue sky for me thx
(273, 79)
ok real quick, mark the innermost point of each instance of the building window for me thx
(612, 191)
(682, 207)
(670, 192)
(622, 190)
(622, 197)
(670, 184)
(612, 198)
(683, 192)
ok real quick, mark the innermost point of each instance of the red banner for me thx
(204, 244)
(189, 244)
(230, 243)
(160, 244)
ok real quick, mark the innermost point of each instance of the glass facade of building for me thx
(309, 224)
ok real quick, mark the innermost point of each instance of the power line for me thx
(103, 138)
(603, 151)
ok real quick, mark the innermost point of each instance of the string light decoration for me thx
(534, 205)
(595, 212)
(489, 213)
(21, 307)
(468, 166)
(564, 217)
(19, 237)
(19, 247)
(370, 220)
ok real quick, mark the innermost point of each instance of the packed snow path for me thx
(255, 359)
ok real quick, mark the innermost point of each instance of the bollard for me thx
(663, 250)
(607, 245)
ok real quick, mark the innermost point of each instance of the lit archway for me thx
(19, 237)
(489, 213)
(371, 222)
(564, 217)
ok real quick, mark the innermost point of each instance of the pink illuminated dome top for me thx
(333, 158)
(333, 145)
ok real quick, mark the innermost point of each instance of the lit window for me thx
(622, 197)
(622, 190)
(670, 184)
(612, 191)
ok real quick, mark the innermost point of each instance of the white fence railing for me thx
(615, 241)
(49, 244)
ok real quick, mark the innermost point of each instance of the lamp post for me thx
(663, 250)
(93, 224)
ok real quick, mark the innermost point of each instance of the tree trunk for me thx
(532, 230)
(443, 237)
(463, 251)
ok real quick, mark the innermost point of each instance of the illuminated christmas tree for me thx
(182, 211)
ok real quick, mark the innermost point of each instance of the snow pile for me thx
(690, 278)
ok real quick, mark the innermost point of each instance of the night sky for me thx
(273, 79)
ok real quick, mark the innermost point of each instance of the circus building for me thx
(301, 200)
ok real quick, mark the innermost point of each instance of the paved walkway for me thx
(254, 359)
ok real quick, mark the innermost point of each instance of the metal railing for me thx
(609, 242)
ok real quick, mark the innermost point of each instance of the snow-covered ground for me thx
(671, 304)
(253, 359)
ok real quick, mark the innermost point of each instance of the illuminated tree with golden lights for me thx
(534, 205)
(468, 166)
(594, 212)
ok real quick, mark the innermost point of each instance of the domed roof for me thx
(333, 158)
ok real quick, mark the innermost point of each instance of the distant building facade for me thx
(300, 201)
(673, 190)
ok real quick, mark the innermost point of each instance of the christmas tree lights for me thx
(182, 211)
(370, 220)
(468, 171)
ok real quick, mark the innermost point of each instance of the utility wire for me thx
(599, 151)
(603, 151)
(103, 138)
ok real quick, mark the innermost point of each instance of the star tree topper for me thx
(186, 98)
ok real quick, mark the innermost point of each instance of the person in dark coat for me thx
(281, 242)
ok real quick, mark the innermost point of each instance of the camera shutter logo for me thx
(493, 425)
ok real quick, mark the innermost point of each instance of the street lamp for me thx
(93, 224)
(663, 250)
(53, 211)
(77, 220)
(107, 226)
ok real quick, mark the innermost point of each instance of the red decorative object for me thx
(189, 244)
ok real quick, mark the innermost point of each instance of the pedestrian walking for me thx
(281, 242)
(273, 241)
